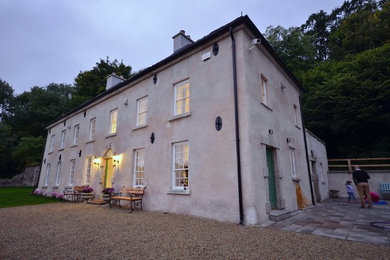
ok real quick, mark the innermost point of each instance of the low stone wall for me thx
(29, 177)
(337, 180)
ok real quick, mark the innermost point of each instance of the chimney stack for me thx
(113, 80)
(180, 40)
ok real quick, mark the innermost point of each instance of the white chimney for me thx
(112, 80)
(180, 40)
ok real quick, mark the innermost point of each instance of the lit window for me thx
(142, 111)
(139, 158)
(52, 143)
(264, 90)
(182, 98)
(47, 174)
(63, 134)
(180, 166)
(88, 169)
(76, 134)
(58, 173)
(71, 172)
(113, 121)
(92, 124)
(292, 163)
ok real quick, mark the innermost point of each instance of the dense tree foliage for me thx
(93, 82)
(346, 102)
(24, 117)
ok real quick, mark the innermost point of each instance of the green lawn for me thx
(21, 196)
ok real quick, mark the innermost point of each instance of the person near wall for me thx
(360, 178)
(350, 190)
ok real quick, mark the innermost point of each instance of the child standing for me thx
(350, 191)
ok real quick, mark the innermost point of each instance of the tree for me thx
(362, 30)
(93, 82)
(293, 47)
(34, 109)
(347, 104)
(6, 97)
(8, 166)
(29, 150)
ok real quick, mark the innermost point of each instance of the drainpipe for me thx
(237, 128)
(307, 153)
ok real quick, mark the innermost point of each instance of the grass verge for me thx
(21, 196)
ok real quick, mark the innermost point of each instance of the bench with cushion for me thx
(384, 189)
(133, 195)
(74, 194)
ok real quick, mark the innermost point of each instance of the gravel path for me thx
(82, 231)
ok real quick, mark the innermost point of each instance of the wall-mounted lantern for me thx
(96, 161)
(116, 159)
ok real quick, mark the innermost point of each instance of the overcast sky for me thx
(45, 41)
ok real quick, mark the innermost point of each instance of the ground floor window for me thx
(71, 172)
(139, 159)
(180, 165)
(292, 163)
(58, 173)
(47, 174)
(88, 169)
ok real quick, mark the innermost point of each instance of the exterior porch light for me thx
(96, 161)
(116, 158)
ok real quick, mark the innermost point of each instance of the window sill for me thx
(55, 187)
(295, 179)
(75, 145)
(61, 149)
(50, 152)
(176, 117)
(111, 135)
(297, 126)
(266, 106)
(44, 187)
(90, 141)
(179, 192)
(139, 127)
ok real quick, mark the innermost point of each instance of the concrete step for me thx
(278, 214)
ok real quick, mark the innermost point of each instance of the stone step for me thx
(96, 202)
(278, 215)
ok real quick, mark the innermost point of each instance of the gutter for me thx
(237, 128)
(307, 153)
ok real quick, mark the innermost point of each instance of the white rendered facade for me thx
(158, 129)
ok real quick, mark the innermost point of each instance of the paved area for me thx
(339, 219)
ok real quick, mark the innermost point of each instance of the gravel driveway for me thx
(83, 231)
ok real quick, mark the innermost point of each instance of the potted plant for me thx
(107, 193)
(87, 194)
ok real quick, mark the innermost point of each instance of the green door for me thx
(271, 178)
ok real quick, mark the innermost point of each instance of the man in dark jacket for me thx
(360, 178)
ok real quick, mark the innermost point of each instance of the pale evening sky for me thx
(45, 41)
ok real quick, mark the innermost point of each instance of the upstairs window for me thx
(296, 115)
(182, 98)
(52, 143)
(63, 134)
(92, 124)
(113, 121)
(139, 159)
(180, 166)
(76, 133)
(142, 111)
(264, 90)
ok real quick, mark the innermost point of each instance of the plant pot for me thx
(106, 197)
(87, 196)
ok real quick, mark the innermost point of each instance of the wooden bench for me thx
(133, 195)
(74, 193)
(384, 188)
